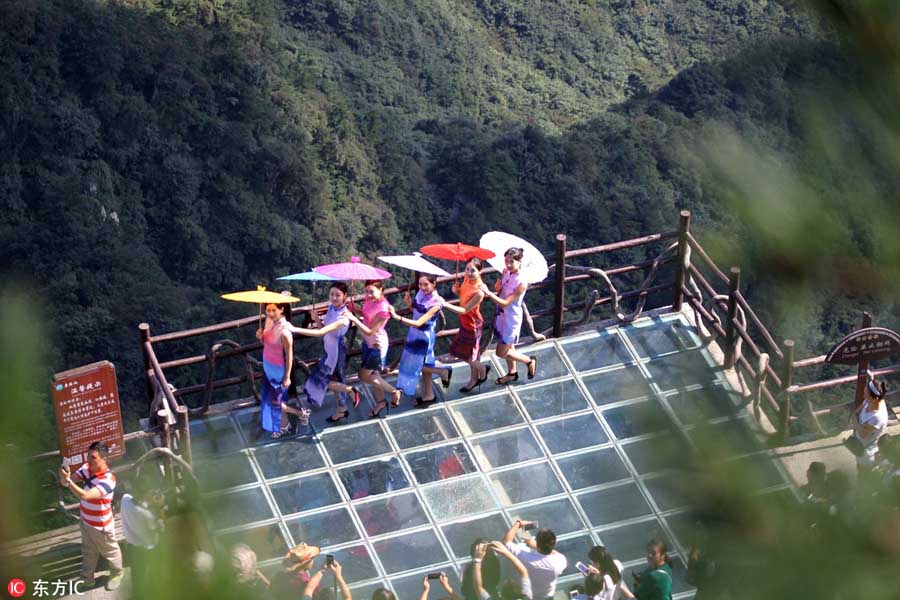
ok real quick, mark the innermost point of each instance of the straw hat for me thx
(300, 557)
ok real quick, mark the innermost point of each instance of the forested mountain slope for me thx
(156, 153)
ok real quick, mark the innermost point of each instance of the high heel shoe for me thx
(395, 398)
(377, 413)
(357, 396)
(446, 382)
(508, 378)
(487, 370)
(333, 419)
(532, 367)
(478, 382)
(423, 403)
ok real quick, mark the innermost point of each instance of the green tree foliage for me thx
(158, 153)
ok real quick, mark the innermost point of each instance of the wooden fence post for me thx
(862, 373)
(560, 290)
(787, 380)
(730, 330)
(184, 432)
(684, 222)
(144, 329)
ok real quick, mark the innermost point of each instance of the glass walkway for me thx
(587, 447)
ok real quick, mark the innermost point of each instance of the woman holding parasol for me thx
(328, 374)
(509, 298)
(376, 312)
(467, 343)
(278, 360)
(418, 361)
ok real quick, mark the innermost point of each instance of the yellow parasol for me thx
(260, 296)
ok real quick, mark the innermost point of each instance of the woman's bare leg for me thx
(427, 382)
(380, 386)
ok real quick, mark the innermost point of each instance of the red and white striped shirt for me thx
(98, 512)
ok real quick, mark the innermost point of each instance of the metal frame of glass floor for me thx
(586, 448)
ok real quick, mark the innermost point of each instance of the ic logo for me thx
(16, 588)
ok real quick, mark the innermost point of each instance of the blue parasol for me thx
(308, 276)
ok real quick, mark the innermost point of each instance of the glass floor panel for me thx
(552, 399)
(390, 514)
(698, 406)
(327, 528)
(423, 427)
(525, 483)
(306, 493)
(613, 504)
(681, 370)
(507, 448)
(662, 338)
(594, 447)
(288, 457)
(217, 473)
(236, 508)
(410, 551)
(623, 383)
(459, 497)
(565, 435)
(373, 478)
(436, 464)
(638, 418)
(348, 444)
(596, 352)
(596, 467)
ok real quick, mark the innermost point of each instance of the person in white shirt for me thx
(142, 525)
(869, 422)
(543, 563)
(610, 570)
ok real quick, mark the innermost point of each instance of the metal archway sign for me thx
(870, 343)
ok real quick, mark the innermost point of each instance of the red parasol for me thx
(457, 252)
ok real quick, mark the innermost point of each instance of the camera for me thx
(329, 559)
(530, 526)
(582, 567)
(573, 594)
(434, 575)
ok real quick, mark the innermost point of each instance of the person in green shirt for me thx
(655, 583)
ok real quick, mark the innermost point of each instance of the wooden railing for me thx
(726, 315)
(730, 318)
(559, 280)
(771, 368)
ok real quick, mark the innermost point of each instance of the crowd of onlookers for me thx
(832, 494)
(164, 520)
(532, 561)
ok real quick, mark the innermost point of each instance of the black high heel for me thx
(487, 370)
(478, 382)
(377, 413)
(333, 419)
(532, 367)
(508, 378)
(446, 382)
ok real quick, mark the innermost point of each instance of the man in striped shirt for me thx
(97, 525)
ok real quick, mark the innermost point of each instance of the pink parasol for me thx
(352, 271)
